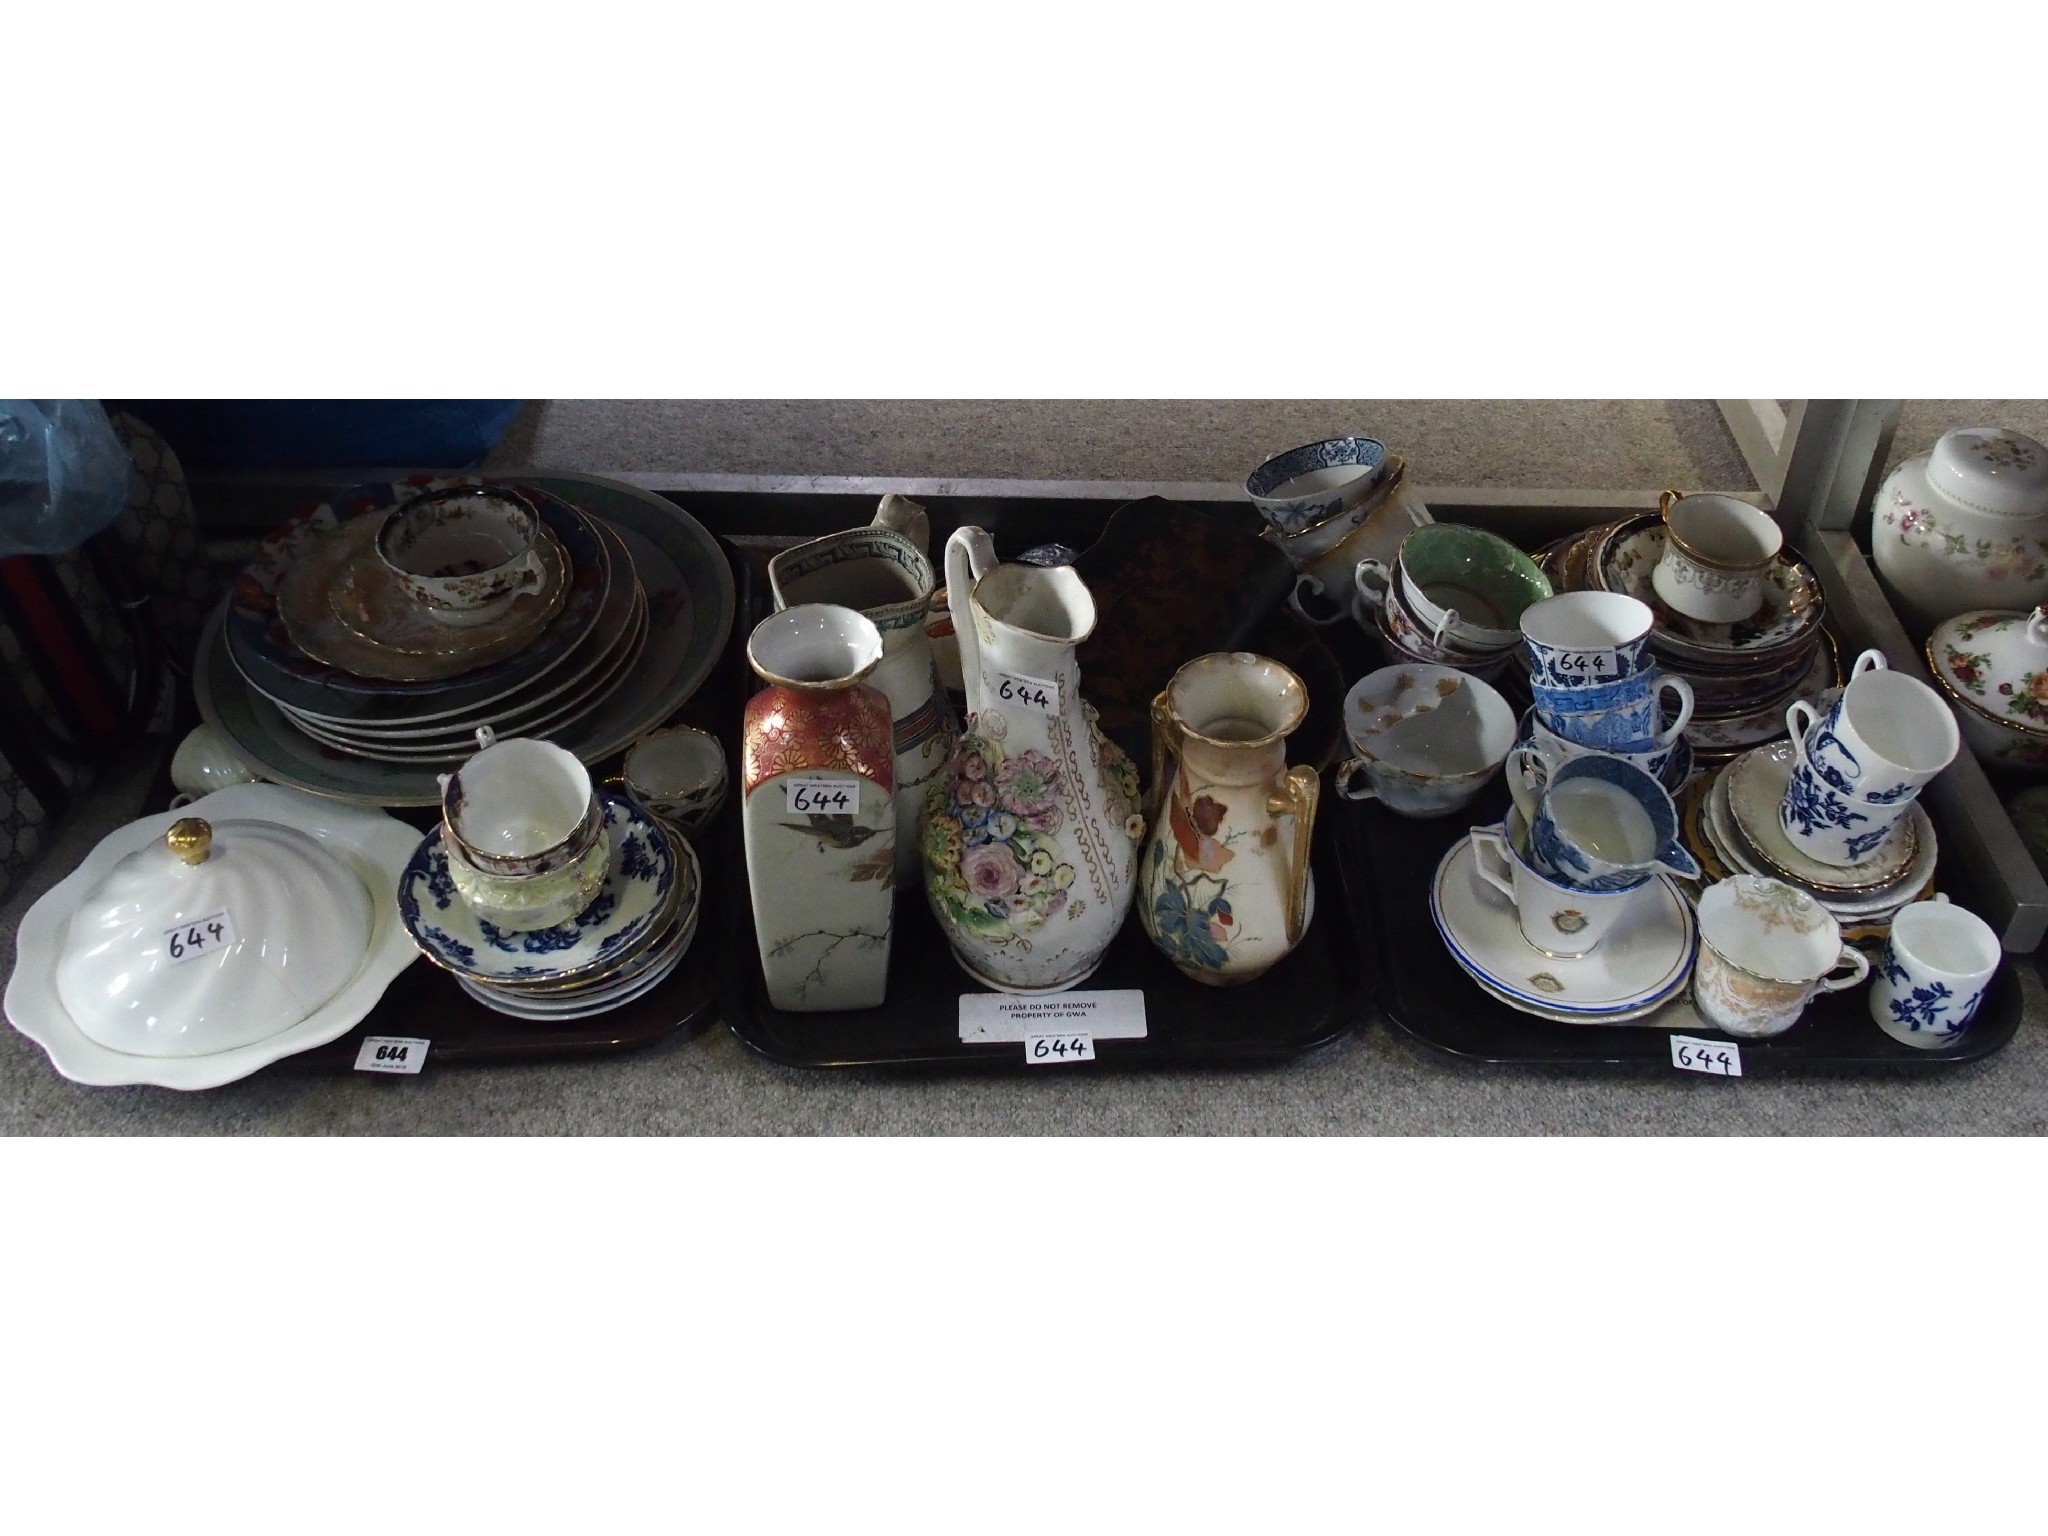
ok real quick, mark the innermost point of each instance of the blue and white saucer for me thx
(1641, 963)
(634, 903)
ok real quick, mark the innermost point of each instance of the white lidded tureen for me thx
(191, 948)
(1965, 526)
(1993, 666)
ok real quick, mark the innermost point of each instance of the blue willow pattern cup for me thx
(1597, 823)
(1591, 674)
(1936, 966)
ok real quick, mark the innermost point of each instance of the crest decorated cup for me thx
(1557, 920)
(1765, 949)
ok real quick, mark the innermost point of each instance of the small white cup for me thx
(1934, 971)
(1765, 949)
(678, 776)
(1718, 553)
(521, 808)
(1556, 920)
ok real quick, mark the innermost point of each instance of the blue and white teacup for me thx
(1591, 673)
(1306, 487)
(1863, 762)
(1598, 823)
(1936, 966)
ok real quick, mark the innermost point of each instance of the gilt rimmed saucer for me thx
(1755, 786)
(366, 599)
(631, 907)
(1640, 961)
(1625, 559)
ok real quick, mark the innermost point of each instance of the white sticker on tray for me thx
(202, 936)
(997, 1018)
(1039, 693)
(392, 1053)
(1721, 1058)
(1050, 1050)
(822, 796)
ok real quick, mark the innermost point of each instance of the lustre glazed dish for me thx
(236, 1038)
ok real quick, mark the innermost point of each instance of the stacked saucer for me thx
(1639, 965)
(328, 668)
(1743, 674)
(621, 946)
(1736, 831)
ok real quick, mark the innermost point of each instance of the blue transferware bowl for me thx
(1305, 486)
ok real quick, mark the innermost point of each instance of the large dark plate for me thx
(1388, 863)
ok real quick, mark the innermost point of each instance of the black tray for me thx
(1309, 999)
(1391, 861)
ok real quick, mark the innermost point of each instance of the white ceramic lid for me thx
(1991, 469)
(215, 936)
(1996, 661)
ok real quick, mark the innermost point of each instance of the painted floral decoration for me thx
(2020, 559)
(1191, 916)
(1968, 667)
(993, 864)
(2028, 698)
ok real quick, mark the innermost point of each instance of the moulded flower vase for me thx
(882, 570)
(1031, 835)
(818, 788)
(1224, 886)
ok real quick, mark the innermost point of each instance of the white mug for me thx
(1933, 973)
(1765, 949)
(1557, 920)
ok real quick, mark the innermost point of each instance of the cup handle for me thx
(1350, 782)
(532, 574)
(1795, 712)
(1859, 971)
(1684, 691)
(1436, 637)
(1524, 782)
(1310, 586)
(1162, 747)
(1870, 661)
(1664, 504)
(1298, 795)
(1492, 841)
(2037, 626)
(1371, 579)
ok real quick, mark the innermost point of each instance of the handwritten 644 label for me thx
(1039, 1050)
(1037, 693)
(822, 796)
(201, 936)
(1721, 1058)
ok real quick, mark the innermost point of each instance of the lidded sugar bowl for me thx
(1964, 526)
(213, 936)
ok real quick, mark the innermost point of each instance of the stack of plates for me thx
(1743, 675)
(619, 947)
(324, 682)
(1735, 831)
(1641, 964)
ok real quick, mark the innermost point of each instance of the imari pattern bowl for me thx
(634, 903)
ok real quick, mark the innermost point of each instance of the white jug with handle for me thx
(1032, 833)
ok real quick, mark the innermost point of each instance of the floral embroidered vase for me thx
(1031, 834)
(818, 781)
(1964, 526)
(1224, 886)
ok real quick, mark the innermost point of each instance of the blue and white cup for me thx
(1597, 823)
(1933, 974)
(1863, 762)
(1592, 676)
(1306, 487)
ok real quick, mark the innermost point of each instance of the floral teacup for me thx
(1765, 949)
(1936, 966)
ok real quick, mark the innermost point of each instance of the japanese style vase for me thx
(818, 781)
(1031, 834)
(883, 572)
(1224, 887)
